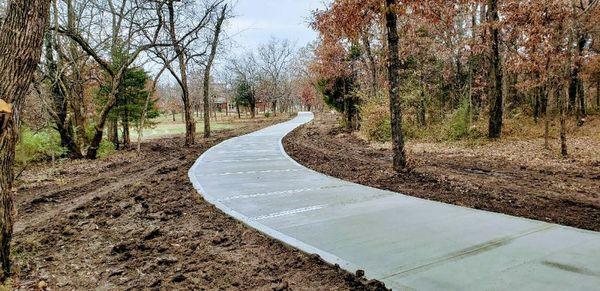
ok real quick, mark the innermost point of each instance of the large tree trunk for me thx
(393, 68)
(496, 100)
(21, 38)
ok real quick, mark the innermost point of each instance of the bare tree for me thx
(184, 29)
(21, 37)
(275, 57)
(116, 46)
(245, 69)
(213, 52)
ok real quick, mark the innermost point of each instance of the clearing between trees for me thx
(513, 176)
(136, 222)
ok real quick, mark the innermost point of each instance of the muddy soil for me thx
(565, 192)
(135, 222)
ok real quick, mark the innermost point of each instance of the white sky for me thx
(256, 21)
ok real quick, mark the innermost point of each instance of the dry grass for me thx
(522, 143)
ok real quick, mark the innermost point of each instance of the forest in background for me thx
(465, 69)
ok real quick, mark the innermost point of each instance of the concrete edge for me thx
(423, 199)
(290, 241)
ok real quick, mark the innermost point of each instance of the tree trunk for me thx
(537, 100)
(393, 69)
(496, 100)
(211, 58)
(581, 98)
(547, 131)
(237, 108)
(21, 38)
(349, 118)
(113, 132)
(274, 107)
(126, 133)
(372, 62)
(576, 90)
(473, 111)
(512, 97)
(573, 85)
(190, 123)
(58, 110)
(561, 113)
(598, 95)
(76, 94)
(544, 112)
(92, 152)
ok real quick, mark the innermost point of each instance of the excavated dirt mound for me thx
(129, 222)
(563, 191)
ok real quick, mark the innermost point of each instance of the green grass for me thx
(161, 130)
(165, 126)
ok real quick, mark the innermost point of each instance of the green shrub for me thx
(375, 123)
(107, 148)
(38, 146)
(459, 125)
(267, 114)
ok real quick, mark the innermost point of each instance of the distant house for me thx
(221, 103)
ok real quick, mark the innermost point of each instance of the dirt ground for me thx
(513, 176)
(129, 222)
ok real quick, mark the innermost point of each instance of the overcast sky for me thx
(256, 21)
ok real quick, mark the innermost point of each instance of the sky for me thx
(256, 21)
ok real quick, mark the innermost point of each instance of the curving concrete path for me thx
(406, 242)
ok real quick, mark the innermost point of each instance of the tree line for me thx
(421, 60)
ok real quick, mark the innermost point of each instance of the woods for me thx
(90, 83)
(458, 63)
